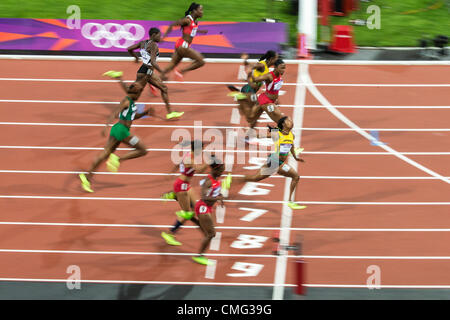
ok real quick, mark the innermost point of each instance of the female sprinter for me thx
(189, 27)
(120, 132)
(149, 52)
(182, 191)
(277, 162)
(248, 100)
(267, 101)
(211, 193)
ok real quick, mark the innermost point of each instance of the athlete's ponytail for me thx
(269, 54)
(192, 7)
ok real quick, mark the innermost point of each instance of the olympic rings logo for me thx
(111, 34)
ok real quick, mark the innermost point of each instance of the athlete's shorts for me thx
(263, 99)
(202, 208)
(247, 89)
(181, 186)
(120, 131)
(182, 43)
(273, 163)
(145, 69)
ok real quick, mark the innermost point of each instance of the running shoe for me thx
(226, 183)
(169, 196)
(178, 74)
(85, 184)
(154, 91)
(113, 163)
(113, 74)
(174, 114)
(202, 260)
(170, 239)
(295, 206)
(237, 95)
(298, 151)
(186, 215)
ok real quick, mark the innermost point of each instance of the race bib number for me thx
(285, 148)
(278, 85)
(194, 32)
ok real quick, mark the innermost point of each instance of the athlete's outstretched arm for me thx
(181, 22)
(131, 51)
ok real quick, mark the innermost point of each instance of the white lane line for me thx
(406, 85)
(193, 104)
(250, 284)
(321, 98)
(438, 203)
(364, 286)
(227, 60)
(204, 175)
(143, 253)
(286, 215)
(382, 286)
(159, 126)
(106, 225)
(234, 151)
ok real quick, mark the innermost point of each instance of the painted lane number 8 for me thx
(248, 241)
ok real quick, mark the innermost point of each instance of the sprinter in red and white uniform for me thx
(211, 193)
(182, 191)
(268, 100)
(189, 28)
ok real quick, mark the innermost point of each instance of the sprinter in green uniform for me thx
(120, 132)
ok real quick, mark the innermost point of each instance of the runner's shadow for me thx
(166, 292)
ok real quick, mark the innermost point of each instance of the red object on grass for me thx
(342, 39)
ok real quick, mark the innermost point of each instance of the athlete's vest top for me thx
(215, 189)
(129, 113)
(257, 73)
(188, 172)
(190, 29)
(146, 57)
(275, 85)
(284, 143)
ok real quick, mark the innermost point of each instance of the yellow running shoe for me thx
(187, 215)
(237, 95)
(85, 184)
(295, 206)
(174, 114)
(113, 163)
(202, 260)
(226, 183)
(298, 151)
(168, 196)
(113, 74)
(170, 239)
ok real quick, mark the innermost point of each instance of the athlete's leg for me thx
(286, 171)
(194, 55)
(176, 59)
(139, 148)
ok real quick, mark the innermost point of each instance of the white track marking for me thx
(438, 203)
(228, 60)
(305, 78)
(204, 175)
(159, 126)
(215, 242)
(191, 104)
(234, 151)
(382, 85)
(286, 216)
(106, 225)
(143, 253)
(210, 271)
